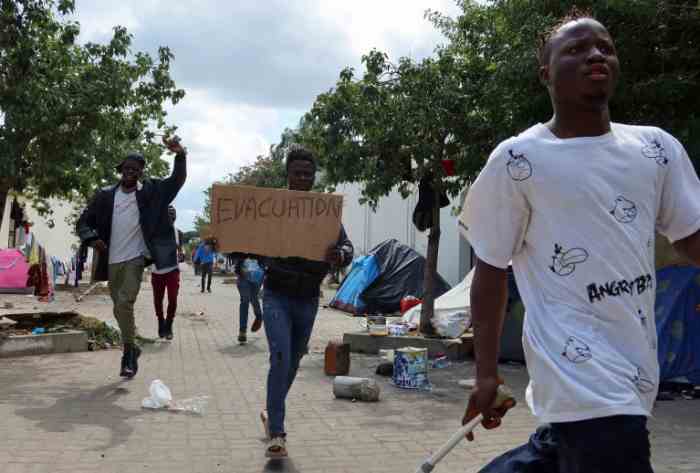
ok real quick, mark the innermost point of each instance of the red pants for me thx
(161, 282)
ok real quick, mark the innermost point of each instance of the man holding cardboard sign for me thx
(299, 236)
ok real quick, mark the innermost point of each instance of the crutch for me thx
(504, 398)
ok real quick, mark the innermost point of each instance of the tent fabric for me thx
(363, 272)
(399, 273)
(678, 323)
(14, 272)
(452, 304)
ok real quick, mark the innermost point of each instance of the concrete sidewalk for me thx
(72, 413)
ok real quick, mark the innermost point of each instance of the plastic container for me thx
(411, 368)
(376, 324)
(397, 330)
(337, 359)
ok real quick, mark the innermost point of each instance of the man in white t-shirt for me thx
(129, 227)
(574, 204)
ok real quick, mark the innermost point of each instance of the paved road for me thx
(71, 413)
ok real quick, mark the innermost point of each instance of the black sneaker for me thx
(161, 327)
(242, 338)
(124, 372)
(132, 352)
(168, 329)
(209, 289)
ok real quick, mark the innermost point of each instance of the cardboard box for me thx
(275, 222)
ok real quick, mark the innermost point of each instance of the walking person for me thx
(195, 263)
(167, 280)
(250, 278)
(574, 203)
(290, 303)
(204, 257)
(128, 226)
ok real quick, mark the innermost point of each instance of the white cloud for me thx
(252, 68)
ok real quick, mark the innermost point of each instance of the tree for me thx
(267, 171)
(394, 127)
(70, 112)
(657, 43)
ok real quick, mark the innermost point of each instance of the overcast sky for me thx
(250, 68)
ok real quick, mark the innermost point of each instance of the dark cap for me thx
(134, 155)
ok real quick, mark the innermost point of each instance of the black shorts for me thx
(617, 444)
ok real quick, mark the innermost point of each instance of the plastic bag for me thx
(160, 396)
(252, 271)
(195, 405)
(452, 325)
(408, 302)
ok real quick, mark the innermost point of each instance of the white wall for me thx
(393, 219)
(57, 240)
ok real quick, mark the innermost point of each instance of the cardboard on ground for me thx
(275, 222)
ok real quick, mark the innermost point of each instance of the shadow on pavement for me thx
(96, 407)
(280, 466)
(252, 348)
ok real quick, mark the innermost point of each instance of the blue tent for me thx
(349, 296)
(377, 282)
(678, 322)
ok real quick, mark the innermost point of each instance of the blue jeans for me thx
(288, 325)
(249, 294)
(614, 444)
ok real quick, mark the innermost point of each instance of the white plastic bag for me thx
(194, 405)
(160, 396)
(452, 325)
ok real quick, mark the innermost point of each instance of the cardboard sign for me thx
(275, 222)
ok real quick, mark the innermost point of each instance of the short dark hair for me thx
(299, 153)
(574, 14)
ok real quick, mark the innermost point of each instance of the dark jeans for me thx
(538, 455)
(614, 444)
(162, 282)
(617, 444)
(205, 269)
(249, 295)
(288, 325)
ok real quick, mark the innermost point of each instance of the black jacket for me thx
(299, 277)
(153, 199)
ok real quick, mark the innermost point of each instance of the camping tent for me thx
(452, 316)
(14, 272)
(678, 323)
(377, 283)
(451, 306)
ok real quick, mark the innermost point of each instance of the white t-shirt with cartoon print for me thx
(577, 218)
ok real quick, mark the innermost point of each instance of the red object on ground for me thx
(449, 166)
(408, 302)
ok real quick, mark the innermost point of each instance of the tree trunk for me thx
(430, 273)
(3, 201)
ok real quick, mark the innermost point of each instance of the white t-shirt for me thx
(126, 241)
(577, 218)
